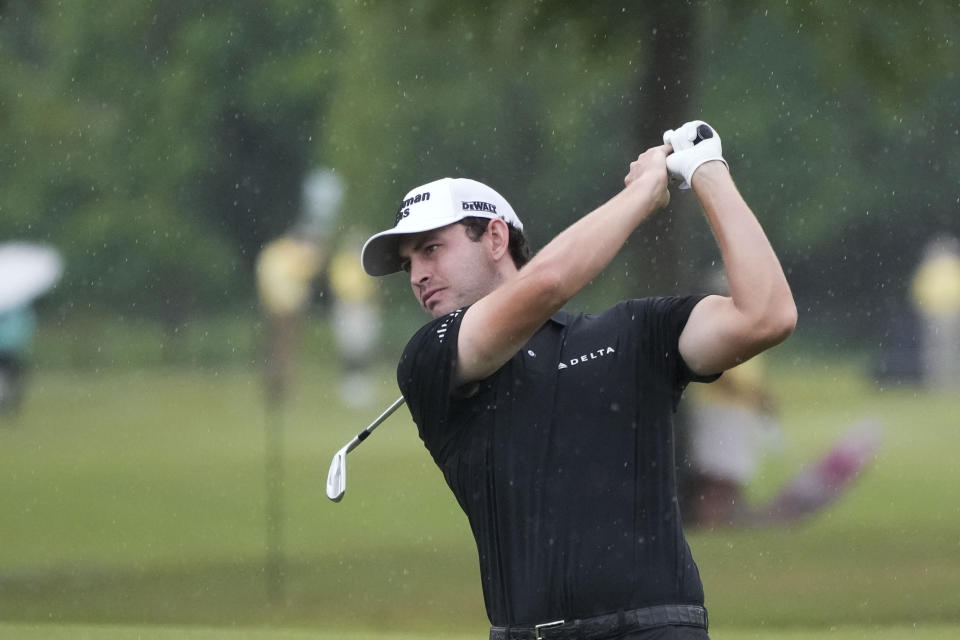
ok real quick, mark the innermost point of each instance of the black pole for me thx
(282, 332)
(273, 468)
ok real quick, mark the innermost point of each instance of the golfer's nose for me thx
(419, 275)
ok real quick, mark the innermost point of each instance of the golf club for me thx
(337, 476)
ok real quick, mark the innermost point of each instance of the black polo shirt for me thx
(563, 460)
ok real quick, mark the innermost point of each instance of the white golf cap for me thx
(431, 206)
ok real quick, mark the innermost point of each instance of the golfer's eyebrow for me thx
(419, 244)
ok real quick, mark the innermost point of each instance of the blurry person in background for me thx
(286, 270)
(27, 271)
(936, 296)
(17, 327)
(356, 320)
(727, 434)
(727, 430)
(731, 425)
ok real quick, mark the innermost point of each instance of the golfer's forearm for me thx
(582, 251)
(758, 286)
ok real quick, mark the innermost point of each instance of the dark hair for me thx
(517, 242)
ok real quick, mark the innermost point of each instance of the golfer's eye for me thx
(430, 248)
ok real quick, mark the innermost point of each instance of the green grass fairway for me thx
(136, 499)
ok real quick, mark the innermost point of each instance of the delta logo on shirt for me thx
(586, 357)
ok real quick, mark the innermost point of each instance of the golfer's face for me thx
(447, 269)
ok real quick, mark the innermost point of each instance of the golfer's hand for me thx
(693, 144)
(650, 170)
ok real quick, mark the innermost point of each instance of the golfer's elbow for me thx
(778, 323)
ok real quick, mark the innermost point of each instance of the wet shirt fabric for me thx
(563, 460)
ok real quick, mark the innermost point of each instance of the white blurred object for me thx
(323, 192)
(357, 390)
(27, 271)
(356, 327)
(729, 441)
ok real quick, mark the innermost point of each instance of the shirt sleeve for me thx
(425, 376)
(662, 322)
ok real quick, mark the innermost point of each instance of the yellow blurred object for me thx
(347, 278)
(741, 386)
(936, 285)
(286, 268)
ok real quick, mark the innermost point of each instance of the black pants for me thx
(665, 633)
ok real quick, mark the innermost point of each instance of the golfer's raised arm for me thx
(760, 312)
(499, 324)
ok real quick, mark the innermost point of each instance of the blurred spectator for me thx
(286, 270)
(727, 434)
(936, 296)
(356, 320)
(724, 433)
(27, 271)
(897, 360)
(731, 425)
(16, 332)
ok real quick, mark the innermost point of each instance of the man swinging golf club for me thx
(554, 430)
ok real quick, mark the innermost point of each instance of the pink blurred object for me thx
(819, 485)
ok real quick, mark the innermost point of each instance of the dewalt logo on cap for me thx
(480, 206)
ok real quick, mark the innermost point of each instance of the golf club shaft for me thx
(360, 437)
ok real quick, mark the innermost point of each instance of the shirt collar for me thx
(561, 317)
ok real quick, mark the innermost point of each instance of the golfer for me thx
(554, 430)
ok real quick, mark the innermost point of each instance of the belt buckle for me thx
(546, 625)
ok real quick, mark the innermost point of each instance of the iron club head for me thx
(337, 476)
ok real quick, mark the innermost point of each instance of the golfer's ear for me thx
(498, 235)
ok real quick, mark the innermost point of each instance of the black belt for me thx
(690, 615)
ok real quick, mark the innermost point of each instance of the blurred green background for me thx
(160, 145)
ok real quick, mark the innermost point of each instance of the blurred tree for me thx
(159, 143)
(844, 120)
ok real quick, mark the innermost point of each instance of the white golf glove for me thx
(693, 144)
